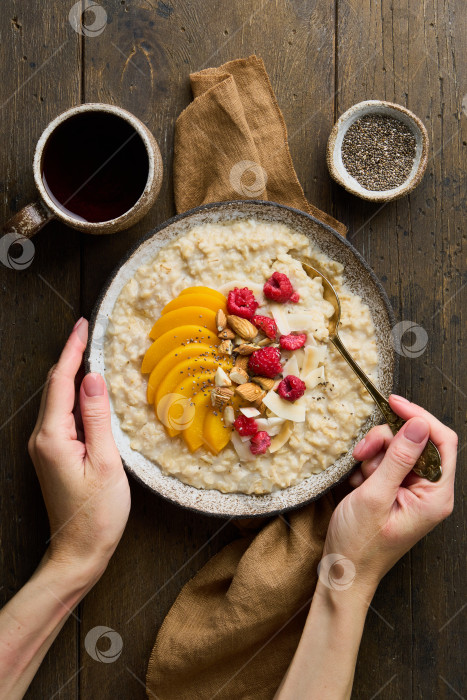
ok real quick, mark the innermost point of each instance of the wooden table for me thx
(322, 57)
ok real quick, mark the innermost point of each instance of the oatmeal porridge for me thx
(306, 411)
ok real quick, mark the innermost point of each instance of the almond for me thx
(247, 348)
(264, 382)
(250, 392)
(220, 396)
(221, 320)
(241, 361)
(242, 327)
(226, 347)
(221, 378)
(229, 416)
(265, 341)
(239, 376)
(226, 334)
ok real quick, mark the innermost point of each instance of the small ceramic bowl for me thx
(334, 150)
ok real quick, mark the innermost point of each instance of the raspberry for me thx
(242, 302)
(260, 443)
(295, 298)
(265, 362)
(278, 288)
(292, 342)
(245, 426)
(265, 324)
(291, 388)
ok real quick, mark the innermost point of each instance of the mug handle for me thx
(28, 220)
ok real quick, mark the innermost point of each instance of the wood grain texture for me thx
(40, 55)
(321, 57)
(144, 65)
(413, 53)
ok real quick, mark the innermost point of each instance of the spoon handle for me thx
(428, 465)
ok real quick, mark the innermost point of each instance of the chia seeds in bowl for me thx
(378, 151)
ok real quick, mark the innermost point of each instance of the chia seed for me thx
(378, 151)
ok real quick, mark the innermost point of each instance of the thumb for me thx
(403, 451)
(95, 413)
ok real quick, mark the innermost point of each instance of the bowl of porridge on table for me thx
(227, 396)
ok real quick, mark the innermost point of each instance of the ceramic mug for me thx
(70, 147)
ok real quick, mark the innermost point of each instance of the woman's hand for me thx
(391, 507)
(84, 485)
(88, 500)
(388, 512)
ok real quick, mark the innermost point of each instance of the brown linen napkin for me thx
(231, 142)
(233, 629)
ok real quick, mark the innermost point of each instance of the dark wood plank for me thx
(412, 53)
(142, 62)
(403, 51)
(39, 52)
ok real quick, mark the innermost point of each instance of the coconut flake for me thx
(250, 412)
(241, 448)
(291, 367)
(301, 322)
(315, 377)
(272, 426)
(281, 318)
(314, 356)
(279, 440)
(285, 409)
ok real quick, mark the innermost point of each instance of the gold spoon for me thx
(428, 464)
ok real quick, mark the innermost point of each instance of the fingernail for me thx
(359, 445)
(93, 385)
(401, 399)
(81, 330)
(416, 430)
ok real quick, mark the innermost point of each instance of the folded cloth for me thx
(231, 143)
(233, 629)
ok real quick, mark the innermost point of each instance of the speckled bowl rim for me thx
(210, 501)
(334, 155)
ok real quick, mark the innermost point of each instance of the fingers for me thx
(443, 437)
(366, 469)
(61, 386)
(40, 415)
(377, 439)
(371, 451)
(403, 451)
(356, 478)
(95, 412)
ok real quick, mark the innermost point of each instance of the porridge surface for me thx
(242, 253)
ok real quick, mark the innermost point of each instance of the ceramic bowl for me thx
(334, 150)
(359, 278)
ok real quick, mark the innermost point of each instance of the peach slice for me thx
(173, 339)
(206, 301)
(170, 408)
(192, 350)
(205, 290)
(186, 370)
(193, 433)
(216, 435)
(188, 315)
